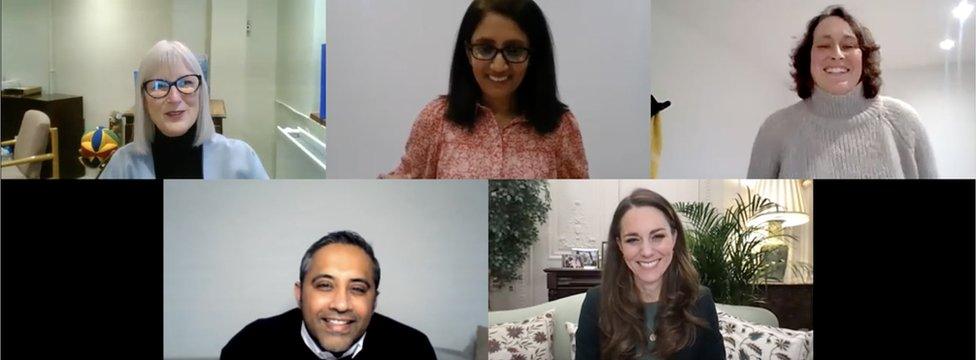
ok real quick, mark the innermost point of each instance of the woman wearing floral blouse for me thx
(502, 117)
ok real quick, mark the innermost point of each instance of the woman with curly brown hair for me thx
(841, 128)
(650, 304)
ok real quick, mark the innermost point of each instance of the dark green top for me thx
(650, 314)
(708, 343)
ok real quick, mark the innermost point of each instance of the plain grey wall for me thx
(388, 58)
(232, 251)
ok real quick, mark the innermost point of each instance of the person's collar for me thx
(491, 114)
(184, 141)
(323, 354)
(833, 106)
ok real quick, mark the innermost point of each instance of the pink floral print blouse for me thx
(439, 148)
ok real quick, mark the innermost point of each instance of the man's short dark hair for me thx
(340, 237)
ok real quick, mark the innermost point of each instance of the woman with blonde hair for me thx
(174, 136)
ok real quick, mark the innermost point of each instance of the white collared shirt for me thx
(322, 354)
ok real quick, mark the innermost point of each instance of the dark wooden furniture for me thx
(563, 282)
(66, 113)
(217, 112)
(792, 304)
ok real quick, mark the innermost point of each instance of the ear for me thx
(298, 293)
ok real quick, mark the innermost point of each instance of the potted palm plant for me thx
(727, 250)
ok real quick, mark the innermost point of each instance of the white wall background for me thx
(947, 109)
(387, 59)
(301, 33)
(98, 44)
(581, 214)
(26, 41)
(235, 260)
(725, 66)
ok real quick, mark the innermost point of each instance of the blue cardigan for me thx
(223, 158)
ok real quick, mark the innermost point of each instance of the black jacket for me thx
(279, 337)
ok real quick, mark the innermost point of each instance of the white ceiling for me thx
(908, 31)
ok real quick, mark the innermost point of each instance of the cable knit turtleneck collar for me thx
(846, 106)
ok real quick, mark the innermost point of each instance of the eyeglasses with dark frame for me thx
(511, 54)
(159, 88)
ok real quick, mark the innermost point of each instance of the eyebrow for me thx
(829, 37)
(330, 277)
(652, 232)
(510, 42)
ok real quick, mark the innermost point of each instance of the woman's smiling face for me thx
(835, 60)
(498, 78)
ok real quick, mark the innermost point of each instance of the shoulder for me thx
(391, 332)
(592, 300)
(902, 116)
(898, 107)
(385, 324)
(267, 330)
(220, 142)
(705, 296)
(568, 122)
(289, 319)
(129, 151)
(433, 115)
(438, 105)
(783, 118)
(124, 161)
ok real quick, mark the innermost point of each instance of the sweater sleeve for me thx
(924, 156)
(712, 344)
(588, 331)
(254, 168)
(919, 161)
(764, 162)
(420, 156)
(572, 157)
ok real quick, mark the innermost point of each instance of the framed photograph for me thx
(572, 261)
(587, 257)
(603, 254)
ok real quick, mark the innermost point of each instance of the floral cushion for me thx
(571, 329)
(745, 340)
(530, 339)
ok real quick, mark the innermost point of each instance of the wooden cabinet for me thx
(563, 282)
(792, 304)
(66, 113)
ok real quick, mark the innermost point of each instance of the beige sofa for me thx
(568, 309)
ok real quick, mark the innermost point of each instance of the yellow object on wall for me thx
(655, 144)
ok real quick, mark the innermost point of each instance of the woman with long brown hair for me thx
(650, 304)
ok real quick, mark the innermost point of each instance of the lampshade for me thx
(787, 196)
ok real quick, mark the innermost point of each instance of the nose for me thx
(646, 249)
(174, 95)
(836, 53)
(498, 63)
(340, 302)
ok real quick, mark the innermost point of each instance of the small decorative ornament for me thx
(653, 337)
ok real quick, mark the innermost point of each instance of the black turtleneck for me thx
(176, 157)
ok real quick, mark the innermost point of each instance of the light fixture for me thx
(962, 10)
(947, 44)
(788, 211)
